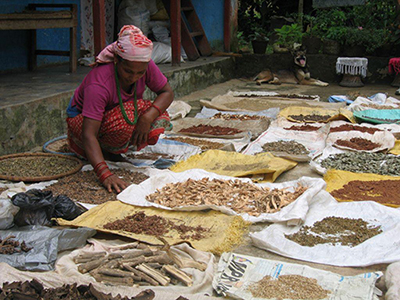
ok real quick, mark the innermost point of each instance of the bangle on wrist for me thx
(158, 109)
(100, 170)
(105, 175)
(99, 165)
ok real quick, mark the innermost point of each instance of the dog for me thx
(298, 74)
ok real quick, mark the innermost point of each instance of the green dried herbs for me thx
(36, 166)
(291, 147)
(335, 230)
(364, 162)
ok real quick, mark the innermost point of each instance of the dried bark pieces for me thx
(240, 196)
(10, 246)
(241, 117)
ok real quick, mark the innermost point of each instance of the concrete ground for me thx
(302, 169)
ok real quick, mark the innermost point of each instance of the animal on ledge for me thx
(298, 74)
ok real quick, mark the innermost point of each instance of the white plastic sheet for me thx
(178, 109)
(293, 213)
(315, 164)
(236, 272)
(382, 248)
(362, 103)
(392, 281)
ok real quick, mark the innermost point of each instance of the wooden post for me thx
(227, 25)
(300, 12)
(175, 14)
(99, 26)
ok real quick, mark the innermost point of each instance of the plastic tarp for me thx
(293, 213)
(263, 167)
(223, 231)
(314, 141)
(207, 113)
(339, 98)
(227, 144)
(337, 179)
(7, 213)
(255, 127)
(382, 248)
(396, 149)
(379, 116)
(46, 242)
(246, 101)
(178, 109)
(334, 114)
(172, 148)
(384, 139)
(375, 101)
(66, 272)
(236, 272)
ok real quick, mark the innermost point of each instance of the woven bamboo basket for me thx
(72, 159)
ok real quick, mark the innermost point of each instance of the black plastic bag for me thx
(37, 207)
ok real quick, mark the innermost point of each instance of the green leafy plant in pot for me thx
(288, 35)
(259, 40)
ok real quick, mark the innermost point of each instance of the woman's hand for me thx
(114, 182)
(142, 129)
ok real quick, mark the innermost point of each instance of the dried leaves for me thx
(240, 196)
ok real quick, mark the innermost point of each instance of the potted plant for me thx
(259, 40)
(287, 36)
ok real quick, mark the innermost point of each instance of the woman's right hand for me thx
(114, 182)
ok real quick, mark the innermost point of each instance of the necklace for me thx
(120, 100)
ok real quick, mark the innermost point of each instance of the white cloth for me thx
(352, 66)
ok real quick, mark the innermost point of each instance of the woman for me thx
(107, 113)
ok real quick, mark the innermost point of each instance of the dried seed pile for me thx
(310, 118)
(382, 191)
(375, 106)
(10, 246)
(240, 196)
(36, 166)
(3, 189)
(288, 287)
(138, 264)
(150, 156)
(383, 119)
(364, 162)
(349, 127)
(291, 147)
(303, 128)
(335, 230)
(241, 117)
(34, 290)
(358, 144)
(140, 223)
(212, 130)
(86, 188)
(203, 144)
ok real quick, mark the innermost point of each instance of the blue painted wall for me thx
(211, 15)
(14, 45)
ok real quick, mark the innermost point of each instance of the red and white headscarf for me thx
(131, 45)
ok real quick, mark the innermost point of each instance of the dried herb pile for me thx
(350, 127)
(358, 144)
(381, 191)
(203, 144)
(212, 130)
(241, 117)
(303, 128)
(291, 147)
(86, 188)
(36, 166)
(364, 162)
(10, 246)
(310, 118)
(140, 223)
(240, 196)
(34, 290)
(150, 156)
(288, 287)
(335, 230)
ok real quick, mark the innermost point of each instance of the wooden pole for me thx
(175, 17)
(99, 26)
(301, 11)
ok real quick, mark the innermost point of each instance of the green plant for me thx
(258, 34)
(371, 39)
(336, 33)
(288, 35)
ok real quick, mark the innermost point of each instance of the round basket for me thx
(71, 159)
(54, 145)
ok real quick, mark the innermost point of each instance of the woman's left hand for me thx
(141, 132)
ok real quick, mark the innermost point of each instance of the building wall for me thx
(14, 46)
